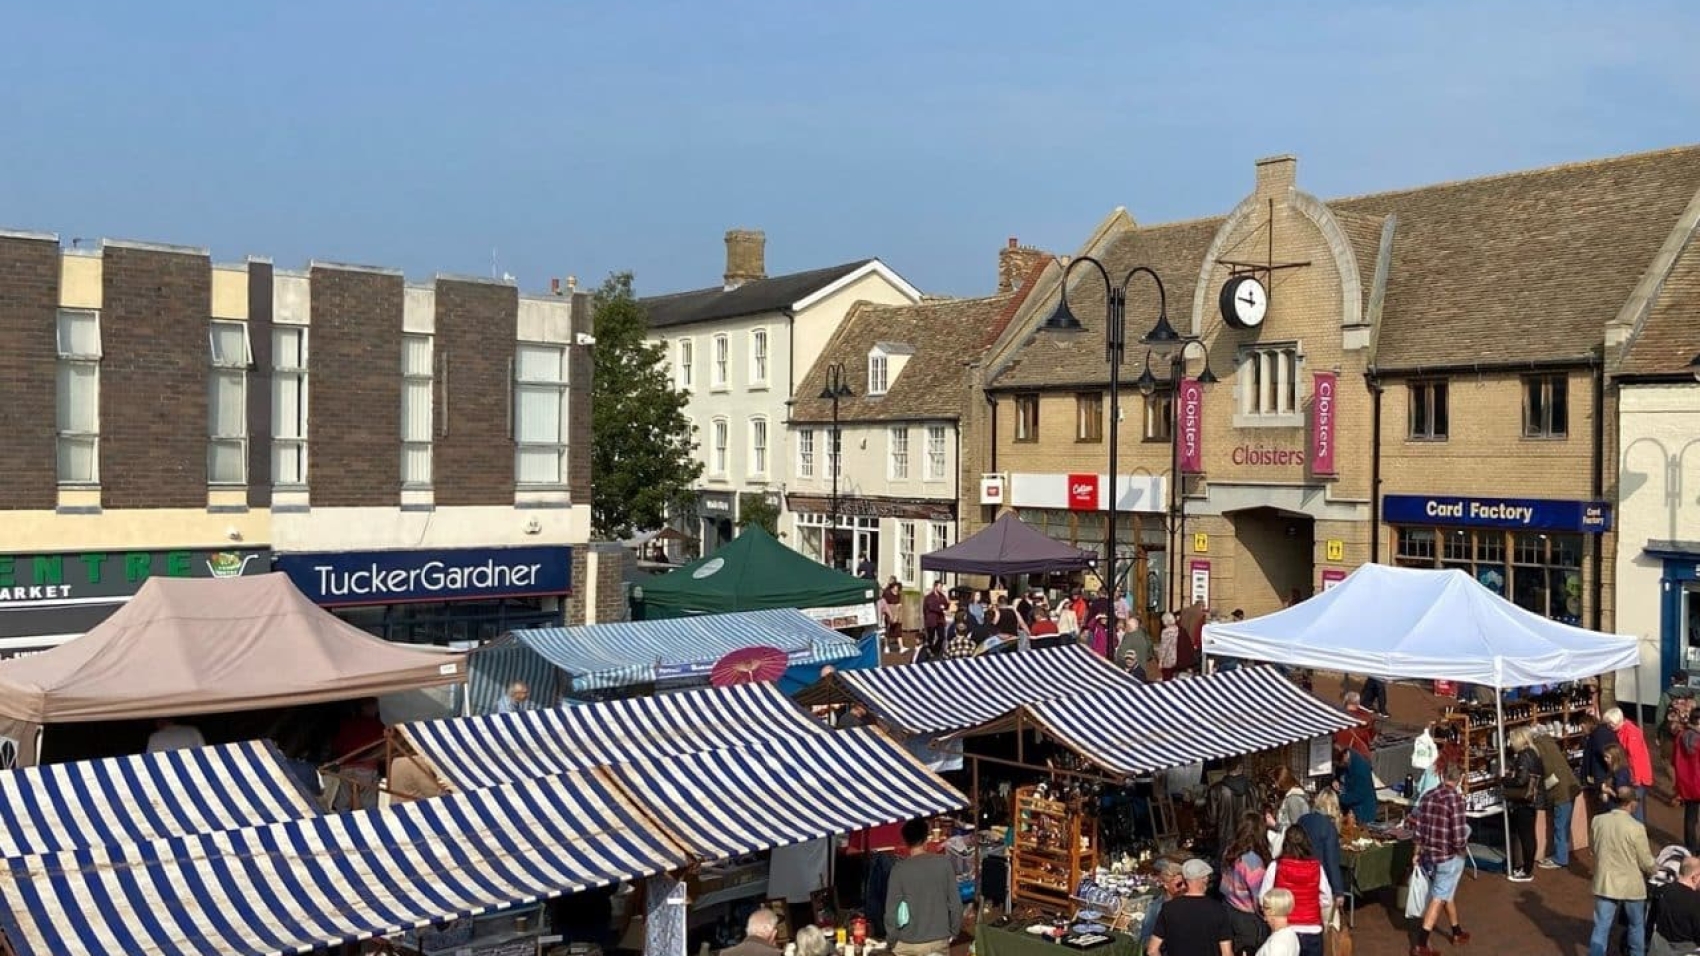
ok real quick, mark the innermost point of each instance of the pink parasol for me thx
(749, 665)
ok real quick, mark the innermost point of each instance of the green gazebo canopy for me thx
(752, 573)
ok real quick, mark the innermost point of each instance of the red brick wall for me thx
(29, 301)
(153, 378)
(354, 399)
(473, 457)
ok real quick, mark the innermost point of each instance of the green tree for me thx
(642, 461)
(755, 509)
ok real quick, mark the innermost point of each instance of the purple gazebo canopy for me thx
(1007, 546)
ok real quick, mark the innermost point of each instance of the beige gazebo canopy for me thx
(206, 645)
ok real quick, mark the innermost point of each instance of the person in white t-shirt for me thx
(1283, 939)
(171, 735)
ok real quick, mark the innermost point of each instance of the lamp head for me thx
(1062, 319)
(1162, 337)
(1146, 382)
(1207, 377)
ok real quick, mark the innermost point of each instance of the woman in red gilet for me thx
(1299, 872)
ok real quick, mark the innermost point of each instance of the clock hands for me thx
(1250, 299)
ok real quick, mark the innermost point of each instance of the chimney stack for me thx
(746, 257)
(1015, 262)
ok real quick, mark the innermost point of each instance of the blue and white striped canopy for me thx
(295, 886)
(600, 656)
(486, 751)
(122, 799)
(724, 803)
(950, 695)
(1154, 727)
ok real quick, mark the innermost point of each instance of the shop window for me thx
(1269, 381)
(289, 404)
(1415, 548)
(758, 358)
(758, 447)
(806, 453)
(1159, 416)
(416, 410)
(899, 444)
(227, 403)
(1089, 417)
(935, 452)
(1546, 406)
(540, 388)
(722, 361)
(77, 407)
(1428, 411)
(687, 364)
(1458, 547)
(717, 453)
(1026, 418)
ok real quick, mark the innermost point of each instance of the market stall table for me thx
(1373, 866)
(1014, 940)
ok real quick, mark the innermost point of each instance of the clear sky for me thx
(576, 138)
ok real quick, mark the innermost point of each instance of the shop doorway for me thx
(1276, 559)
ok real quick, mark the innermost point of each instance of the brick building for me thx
(1459, 335)
(416, 456)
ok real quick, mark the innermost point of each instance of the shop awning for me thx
(724, 803)
(599, 656)
(471, 752)
(1151, 727)
(942, 696)
(295, 886)
(68, 806)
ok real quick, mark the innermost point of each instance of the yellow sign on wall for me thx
(1336, 550)
(1200, 542)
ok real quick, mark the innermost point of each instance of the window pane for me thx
(77, 460)
(538, 465)
(1558, 401)
(77, 389)
(287, 417)
(1534, 404)
(416, 355)
(537, 414)
(416, 464)
(226, 461)
(229, 343)
(1439, 416)
(416, 411)
(289, 348)
(289, 463)
(226, 412)
(540, 363)
(1419, 411)
(79, 333)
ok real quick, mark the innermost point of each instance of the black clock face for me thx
(1244, 302)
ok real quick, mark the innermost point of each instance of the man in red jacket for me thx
(1640, 761)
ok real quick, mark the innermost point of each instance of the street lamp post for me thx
(1115, 347)
(836, 390)
(1163, 337)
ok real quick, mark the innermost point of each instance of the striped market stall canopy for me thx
(473, 752)
(943, 696)
(601, 656)
(723, 803)
(295, 886)
(67, 806)
(1158, 726)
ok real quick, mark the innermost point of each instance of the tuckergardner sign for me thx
(385, 577)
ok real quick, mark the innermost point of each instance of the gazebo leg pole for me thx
(974, 830)
(1499, 757)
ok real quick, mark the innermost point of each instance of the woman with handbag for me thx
(1242, 882)
(1522, 785)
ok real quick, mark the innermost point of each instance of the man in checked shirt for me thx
(1442, 833)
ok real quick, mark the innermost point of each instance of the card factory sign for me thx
(392, 577)
(93, 577)
(1588, 517)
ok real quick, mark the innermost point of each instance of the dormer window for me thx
(879, 367)
(885, 363)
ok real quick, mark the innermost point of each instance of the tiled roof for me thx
(1526, 266)
(751, 298)
(1174, 251)
(945, 334)
(1669, 337)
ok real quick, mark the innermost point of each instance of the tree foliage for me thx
(754, 509)
(642, 458)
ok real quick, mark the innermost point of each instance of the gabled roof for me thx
(1669, 337)
(944, 334)
(1526, 266)
(753, 298)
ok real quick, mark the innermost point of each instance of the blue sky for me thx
(580, 138)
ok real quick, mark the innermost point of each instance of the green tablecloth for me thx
(1013, 941)
(1377, 867)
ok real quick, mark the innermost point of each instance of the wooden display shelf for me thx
(1046, 869)
(1472, 738)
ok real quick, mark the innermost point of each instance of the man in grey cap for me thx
(1192, 924)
